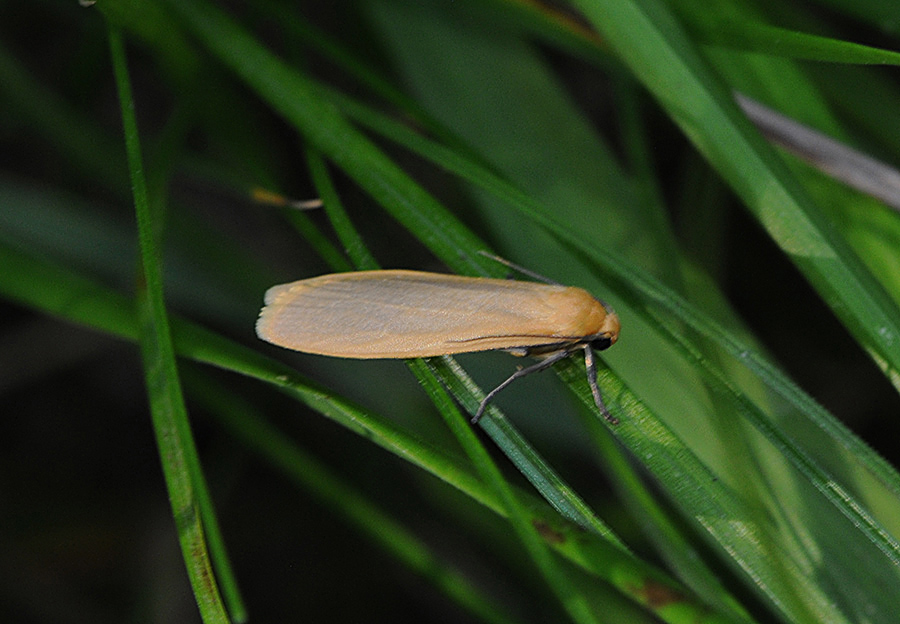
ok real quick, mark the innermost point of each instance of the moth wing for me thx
(405, 314)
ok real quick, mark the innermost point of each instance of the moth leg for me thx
(545, 363)
(590, 366)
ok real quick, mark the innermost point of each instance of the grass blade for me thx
(176, 448)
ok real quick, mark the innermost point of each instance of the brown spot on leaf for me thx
(548, 532)
(657, 595)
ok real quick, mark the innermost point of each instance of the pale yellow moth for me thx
(409, 314)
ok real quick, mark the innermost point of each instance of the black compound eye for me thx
(601, 343)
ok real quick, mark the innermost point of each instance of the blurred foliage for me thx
(595, 143)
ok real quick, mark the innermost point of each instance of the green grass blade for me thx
(293, 96)
(739, 28)
(670, 304)
(176, 448)
(574, 601)
(571, 598)
(784, 584)
(765, 39)
(513, 444)
(66, 294)
(650, 41)
(522, 454)
(354, 247)
(244, 422)
(725, 469)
